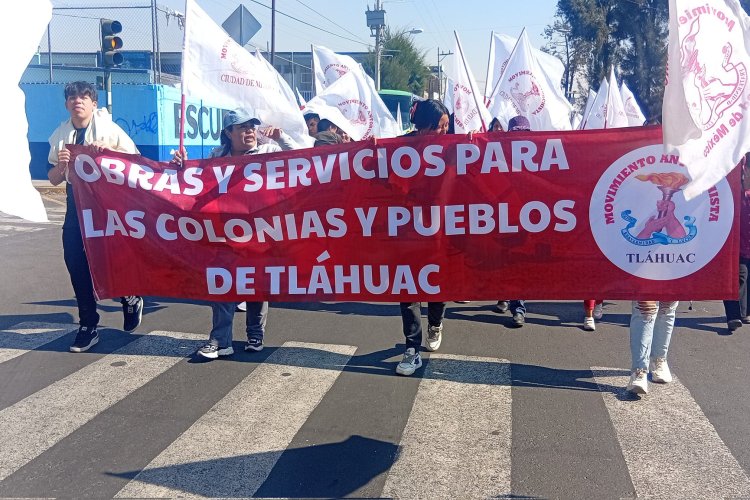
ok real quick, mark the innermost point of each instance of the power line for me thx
(327, 19)
(311, 25)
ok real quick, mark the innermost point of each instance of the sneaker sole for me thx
(212, 355)
(249, 348)
(86, 348)
(589, 328)
(660, 380)
(637, 390)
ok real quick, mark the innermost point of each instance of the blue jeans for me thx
(223, 316)
(651, 325)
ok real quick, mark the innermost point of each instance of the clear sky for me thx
(474, 20)
(337, 24)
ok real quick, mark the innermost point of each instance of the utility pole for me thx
(273, 30)
(441, 56)
(376, 23)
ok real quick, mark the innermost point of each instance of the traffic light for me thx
(111, 43)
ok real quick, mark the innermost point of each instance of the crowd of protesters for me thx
(651, 323)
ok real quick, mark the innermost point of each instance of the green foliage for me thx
(630, 35)
(402, 66)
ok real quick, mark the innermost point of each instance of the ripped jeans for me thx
(651, 325)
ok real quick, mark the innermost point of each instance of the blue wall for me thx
(150, 114)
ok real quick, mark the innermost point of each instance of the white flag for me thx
(282, 87)
(448, 95)
(632, 110)
(352, 103)
(17, 194)
(216, 69)
(329, 66)
(705, 115)
(587, 109)
(469, 111)
(524, 89)
(616, 117)
(399, 121)
(597, 115)
(501, 47)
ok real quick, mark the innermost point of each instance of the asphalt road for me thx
(497, 412)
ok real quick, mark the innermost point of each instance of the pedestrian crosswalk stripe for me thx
(44, 418)
(231, 450)
(457, 441)
(670, 447)
(28, 336)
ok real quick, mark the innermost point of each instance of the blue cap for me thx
(519, 123)
(239, 116)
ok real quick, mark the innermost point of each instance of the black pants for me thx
(80, 276)
(737, 309)
(411, 316)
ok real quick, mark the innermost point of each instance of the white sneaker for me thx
(588, 324)
(241, 307)
(598, 311)
(434, 337)
(638, 382)
(409, 363)
(660, 371)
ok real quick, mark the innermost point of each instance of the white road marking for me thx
(231, 449)
(26, 337)
(670, 447)
(457, 442)
(41, 420)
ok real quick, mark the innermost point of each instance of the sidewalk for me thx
(45, 186)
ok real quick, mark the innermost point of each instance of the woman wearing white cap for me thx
(239, 137)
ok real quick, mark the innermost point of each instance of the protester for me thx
(737, 310)
(311, 120)
(517, 307)
(592, 310)
(238, 138)
(327, 137)
(430, 117)
(495, 126)
(651, 325)
(87, 125)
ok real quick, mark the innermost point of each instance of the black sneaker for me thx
(212, 351)
(519, 319)
(86, 338)
(132, 311)
(254, 345)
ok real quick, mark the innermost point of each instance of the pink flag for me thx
(705, 108)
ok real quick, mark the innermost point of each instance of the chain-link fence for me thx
(151, 34)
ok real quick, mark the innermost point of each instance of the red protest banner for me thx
(544, 215)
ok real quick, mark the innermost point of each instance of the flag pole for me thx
(490, 53)
(473, 90)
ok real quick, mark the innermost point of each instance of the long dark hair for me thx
(426, 115)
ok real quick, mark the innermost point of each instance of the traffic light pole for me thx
(108, 88)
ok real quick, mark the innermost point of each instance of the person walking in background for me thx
(430, 117)
(517, 307)
(737, 310)
(592, 310)
(86, 125)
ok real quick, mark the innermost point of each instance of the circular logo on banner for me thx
(359, 115)
(642, 223)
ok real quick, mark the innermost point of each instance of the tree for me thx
(402, 66)
(629, 35)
